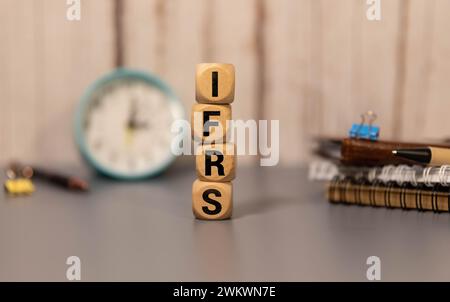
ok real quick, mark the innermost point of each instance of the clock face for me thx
(126, 127)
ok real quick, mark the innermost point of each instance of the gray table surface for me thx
(283, 229)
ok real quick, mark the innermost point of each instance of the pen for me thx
(69, 182)
(432, 156)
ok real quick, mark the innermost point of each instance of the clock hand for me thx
(132, 115)
(133, 124)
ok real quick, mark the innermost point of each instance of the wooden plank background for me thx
(313, 64)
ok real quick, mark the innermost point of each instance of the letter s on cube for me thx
(212, 200)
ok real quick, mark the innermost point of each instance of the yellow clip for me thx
(19, 186)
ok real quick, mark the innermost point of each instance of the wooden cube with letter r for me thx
(212, 200)
(214, 83)
(216, 162)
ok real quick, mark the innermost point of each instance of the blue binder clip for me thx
(363, 130)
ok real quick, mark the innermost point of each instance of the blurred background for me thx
(315, 65)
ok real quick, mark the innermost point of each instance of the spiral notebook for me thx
(390, 195)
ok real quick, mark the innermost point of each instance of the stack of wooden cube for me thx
(212, 192)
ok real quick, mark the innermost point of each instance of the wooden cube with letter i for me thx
(214, 83)
(212, 192)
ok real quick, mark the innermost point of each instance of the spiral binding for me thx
(413, 175)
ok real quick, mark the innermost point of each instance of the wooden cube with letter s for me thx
(212, 193)
(212, 200)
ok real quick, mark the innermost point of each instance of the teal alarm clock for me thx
(123, 124)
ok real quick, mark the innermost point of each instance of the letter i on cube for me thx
(212, 192)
